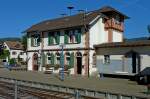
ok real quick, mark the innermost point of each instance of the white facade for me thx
(123, 60)
(15, 53)
(97, 34)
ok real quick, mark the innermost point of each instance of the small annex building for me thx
(123, 58)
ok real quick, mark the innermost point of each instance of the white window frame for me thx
(106, 59)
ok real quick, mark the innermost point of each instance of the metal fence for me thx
(72, 90)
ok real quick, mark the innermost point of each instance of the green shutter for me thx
(50, 40)
(52, 59)
(57, 38)
(38, 40)
(72, 60)
(66, 38)
(79, 38)
(32, 41)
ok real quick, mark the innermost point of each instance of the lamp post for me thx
(62, 62)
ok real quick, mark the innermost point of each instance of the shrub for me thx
(12, 61)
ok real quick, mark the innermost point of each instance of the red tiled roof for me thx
(71, 21)
(124, 44)
(14, 45)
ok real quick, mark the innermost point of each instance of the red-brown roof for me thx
(124, 44)
(70, 21)
(14, 45)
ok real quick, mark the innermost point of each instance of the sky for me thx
(18, 15)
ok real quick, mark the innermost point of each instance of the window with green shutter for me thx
(79, 36)
(57, 38)
(50, 39)
(52, 58)
(66, 37)
(32, 42)
(72, 60)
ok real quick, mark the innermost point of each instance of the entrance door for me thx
(134, 62)
(35, 62)
(79, 65)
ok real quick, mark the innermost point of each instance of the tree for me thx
(24, 41)
(5, 54)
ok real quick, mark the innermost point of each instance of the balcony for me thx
(112, 24)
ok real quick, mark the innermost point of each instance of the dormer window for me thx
(35, 40)
(117, 19)
(73, 36)
(53, 38)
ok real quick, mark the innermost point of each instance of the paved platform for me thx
(123, 86)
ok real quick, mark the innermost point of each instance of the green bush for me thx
(12, 61)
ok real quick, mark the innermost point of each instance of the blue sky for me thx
(18, 15)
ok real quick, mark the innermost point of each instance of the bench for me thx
(49, 71)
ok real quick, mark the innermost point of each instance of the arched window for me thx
(78, 54)
(57, 58)
(50, 58)
(67, 58)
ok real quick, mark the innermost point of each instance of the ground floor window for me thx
(106, 59)
(67, 58)
(50, 58)
(57, 58)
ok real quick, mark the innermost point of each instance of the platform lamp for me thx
(62, 61)
(70, 8)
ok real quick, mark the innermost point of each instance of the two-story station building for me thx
(78, 33)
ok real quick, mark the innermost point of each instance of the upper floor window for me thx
(35, 40)
(117, 19)
(72, 36)
(53, 38)
(14, 53)
(21, 53)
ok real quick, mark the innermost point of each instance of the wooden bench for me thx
(49, 71)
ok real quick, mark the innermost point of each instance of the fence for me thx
(71, 90)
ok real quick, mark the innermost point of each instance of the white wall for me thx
(81, 45)
(98, 34)
(145, 61)
(117, 36)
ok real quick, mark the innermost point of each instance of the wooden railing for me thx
(111, 24)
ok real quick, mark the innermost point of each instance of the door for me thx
(35, 62)
(79, 65)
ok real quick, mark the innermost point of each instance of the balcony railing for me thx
(112, 24)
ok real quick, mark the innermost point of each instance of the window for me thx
(50, 58)
(53, 38)
(73, 36)
(67, 58)
(21, 53)
(117, 19)
(106, 59)
(57, 58)
(14, 53)
(35, 40)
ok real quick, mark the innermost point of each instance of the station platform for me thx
(113, 85)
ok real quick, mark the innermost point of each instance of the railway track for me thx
(25, 92)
